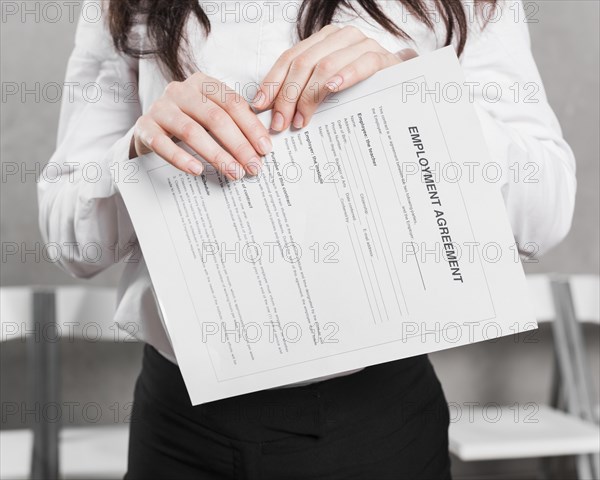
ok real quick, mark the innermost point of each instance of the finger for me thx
(365, 66)
(240, 112)
(170, 118)
(271, 84)
(154, 138)
(300, 71)
(204, 112)
(317, 87)
(222, 127)
(362, 68)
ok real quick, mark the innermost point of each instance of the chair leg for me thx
(556, 393)
(584, 472)
(548, 465)
(584, 375)
(563, 351)
(546, 468)
(43, 351)
(574, 370)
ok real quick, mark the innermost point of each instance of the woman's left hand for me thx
(331, 60)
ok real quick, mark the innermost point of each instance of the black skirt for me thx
(389, 421)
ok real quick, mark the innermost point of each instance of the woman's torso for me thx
(245, 40)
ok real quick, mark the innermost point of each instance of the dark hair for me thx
(165, 21)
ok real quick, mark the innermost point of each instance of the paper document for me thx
(371, 235)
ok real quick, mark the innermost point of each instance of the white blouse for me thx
(82, 212)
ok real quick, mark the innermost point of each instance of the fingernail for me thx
(406, 54)
(335, 83)
(298, 121)
(196, 167)
(265, 145)
(277, 122)
(254, 166)
(235, 171)
(259, 99)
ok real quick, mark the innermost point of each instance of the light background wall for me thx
(566, 46)
(565, 43)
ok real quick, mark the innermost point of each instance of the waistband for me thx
(307, 410)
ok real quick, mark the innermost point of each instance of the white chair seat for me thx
(94, 452)
(15, 454)
(548, 433)
(15, 312)
(586, 290)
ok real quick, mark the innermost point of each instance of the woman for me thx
(153, 62)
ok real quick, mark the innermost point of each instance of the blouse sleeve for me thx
(522, 132)
(80, 209)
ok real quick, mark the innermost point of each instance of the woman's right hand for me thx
(188, 111)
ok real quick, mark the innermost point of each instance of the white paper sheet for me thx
(333, 258)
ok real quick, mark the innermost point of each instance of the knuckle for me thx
(203, 84)
(217, 118)
(373, 58)
(330, 28)
(150, 143)
(288, 95)
(155, 142)
(198, 76)
(350, 72)
(165, 140)
(254, 128)
(307, 98)
(208, 86)
(162, 111)
(140, 131)
(235, 103)
(140, 128)
(155, 108)
(174, 158)
(173, 88)
(140, 124)
(391, 58)
(220, 159)
(382, 60)
(371, 44)
(326, 65)
(287, 56)
(241, 150)
(301, 62)
(285, 100)
(281, 104)
(188, 131)
(352, 31)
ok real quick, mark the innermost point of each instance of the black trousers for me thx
(388, 421)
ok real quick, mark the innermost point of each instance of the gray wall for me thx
(566, 44)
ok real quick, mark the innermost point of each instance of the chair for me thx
(15, 454)
(554, 432)
(94, 452)
(573, 387)
(43, 315)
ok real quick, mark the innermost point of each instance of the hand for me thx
(188, 111)
(331, 60)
